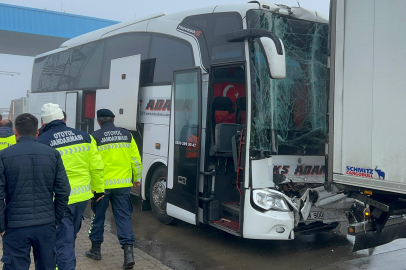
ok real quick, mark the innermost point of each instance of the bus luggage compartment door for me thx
(122, 96)
(184, 143)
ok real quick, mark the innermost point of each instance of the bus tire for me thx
(157, 195)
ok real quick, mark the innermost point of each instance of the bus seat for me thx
(224, 117)
(223, 138)
(222, 108)
(241, 110)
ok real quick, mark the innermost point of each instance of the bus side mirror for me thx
(274, 53)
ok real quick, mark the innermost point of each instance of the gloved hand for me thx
(98, 196)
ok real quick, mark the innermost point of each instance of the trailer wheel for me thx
(157, 195)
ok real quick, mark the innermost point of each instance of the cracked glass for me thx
(62, 70)
(289, 116)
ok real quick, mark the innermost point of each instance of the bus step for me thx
(227, 225)
(232, 207)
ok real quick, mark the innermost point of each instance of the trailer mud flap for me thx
(373, 239)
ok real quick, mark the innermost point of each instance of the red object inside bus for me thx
(224, 117)
(230, 90)
(229, 224)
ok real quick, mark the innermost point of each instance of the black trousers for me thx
(66, 235)
(122, 209)
(17, 245)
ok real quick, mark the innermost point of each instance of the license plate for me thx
(316, 215)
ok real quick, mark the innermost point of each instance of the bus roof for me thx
(296, 12)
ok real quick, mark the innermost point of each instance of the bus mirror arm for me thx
(273, 50)
(241, 35)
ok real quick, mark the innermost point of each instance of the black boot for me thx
(94, 252)
(128, 257)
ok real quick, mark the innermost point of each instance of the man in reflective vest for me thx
(192, 149)
(122, 167)
(7, 137)
(84, 167)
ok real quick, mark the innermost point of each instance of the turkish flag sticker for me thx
(230, 90)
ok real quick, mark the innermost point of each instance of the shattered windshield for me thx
(289, 115)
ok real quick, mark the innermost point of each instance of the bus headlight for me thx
(268, 199)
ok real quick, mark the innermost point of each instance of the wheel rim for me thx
(159, 194)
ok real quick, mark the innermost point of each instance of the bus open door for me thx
(184, 141)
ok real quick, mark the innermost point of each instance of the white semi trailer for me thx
(367, 150)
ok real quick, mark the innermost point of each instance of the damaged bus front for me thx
(287, 133)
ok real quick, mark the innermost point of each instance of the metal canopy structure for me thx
(29, 31)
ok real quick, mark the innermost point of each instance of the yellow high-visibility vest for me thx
(84, 168)
(7, 141)
(121, 162)
(81, 159)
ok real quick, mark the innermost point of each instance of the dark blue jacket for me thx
(56, 134)
(6, 132)
(31, 176)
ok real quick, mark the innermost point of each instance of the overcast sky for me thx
(13, 87)
(121, 10)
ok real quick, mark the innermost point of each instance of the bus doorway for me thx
(225, 130)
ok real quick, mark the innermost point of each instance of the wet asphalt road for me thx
(184, 246)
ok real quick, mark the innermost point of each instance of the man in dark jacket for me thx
(34, 193)
(7, 137)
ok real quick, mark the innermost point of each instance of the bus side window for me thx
(55, 72)
(88, 66)
(170, 54)
(91, 72)
(215, 26)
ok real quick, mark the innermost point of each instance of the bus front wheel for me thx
(157, 193)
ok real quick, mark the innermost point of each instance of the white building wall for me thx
(16, 86)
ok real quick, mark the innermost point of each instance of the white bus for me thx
(228, 106)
